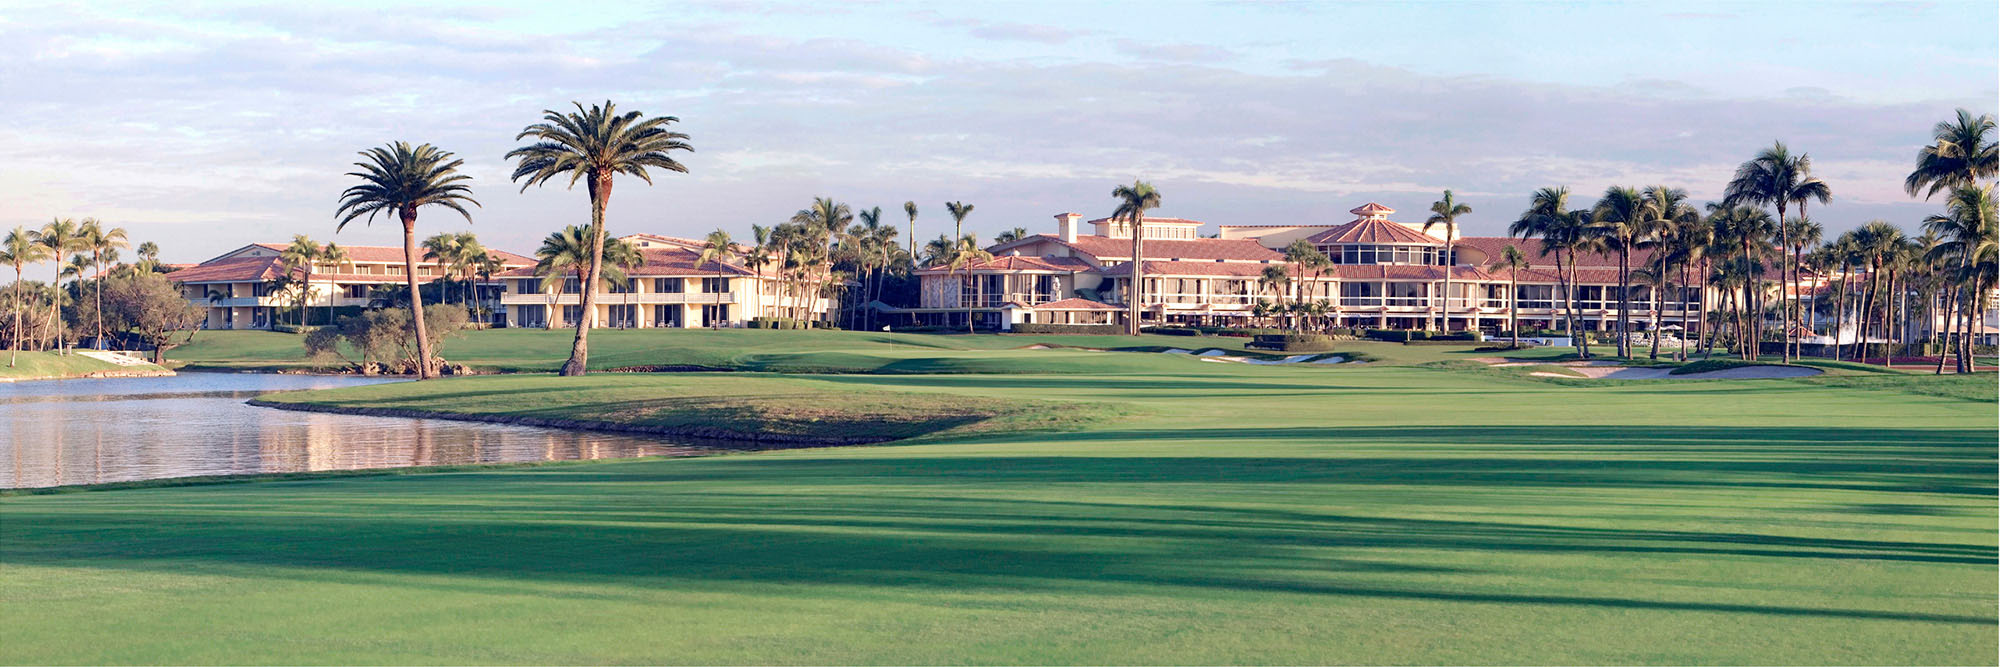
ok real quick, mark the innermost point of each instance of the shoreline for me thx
(722, 435)
(95, 375)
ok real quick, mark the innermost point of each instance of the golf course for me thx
(1061, 499)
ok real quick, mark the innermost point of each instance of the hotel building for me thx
(237, 287)
(672, 288)
(1384, 274)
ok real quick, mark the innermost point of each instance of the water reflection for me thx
(123, 429)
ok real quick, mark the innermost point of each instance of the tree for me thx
(819, 228)
(1969, 235)
(20, 249)
(716, 249)
(1277, 278)
(398, 179)
(594, 145)
(1620, 222)
(148, 307)
(965, 254)
(1878, 240)
(1775, 177)
(300, 256)
(103, 244)
(1562, 232)
(332, 255)
(1133, 202)
(568, 251)
(1445, 212)
(1513, 260)
(58, 238)
(385, 337)
(1011, 235)
(1302, 254)
(910, 208)
(1962, 152)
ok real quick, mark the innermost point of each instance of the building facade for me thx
(671, 288)
(1384, 274)
(241, 288)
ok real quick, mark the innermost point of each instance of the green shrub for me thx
(1172, 331)
(780, 323)
(1292, 342)
(1034, 328)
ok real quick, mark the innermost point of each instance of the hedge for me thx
(1170, 331)
(780, 323)
(1034, 328)
(1292, 342)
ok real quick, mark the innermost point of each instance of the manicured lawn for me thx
(51, 365)
(1222, 514)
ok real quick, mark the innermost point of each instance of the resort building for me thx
(242, 288)
(1384, 274)
(672, 288)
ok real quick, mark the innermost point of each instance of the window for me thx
(624, 316)
(572, 286)
(626, 286)
(531, 286)
(572, 314)
(714, 285)
(392, 270)
(355, 291)
(715, 312)
(667, 285)
(665, 315)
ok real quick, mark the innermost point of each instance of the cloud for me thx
(1023, 32)
(1171, 52)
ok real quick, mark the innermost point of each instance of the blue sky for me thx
(202, 126)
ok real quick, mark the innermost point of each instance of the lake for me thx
(94, 431)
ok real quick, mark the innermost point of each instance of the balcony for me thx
(646, 298)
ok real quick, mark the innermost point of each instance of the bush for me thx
(1034, 328)
(1442, 341)
(1292, 342)
(1171, 331)
(385, 338)
(779, 323)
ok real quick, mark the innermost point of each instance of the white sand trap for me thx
(1330, 360)
(1037, 346)
(1221, 360)
(1296, 358)
(1211, 353)
(1175, 350)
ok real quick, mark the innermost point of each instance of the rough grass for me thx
(1247, 515)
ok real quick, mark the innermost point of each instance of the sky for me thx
(203, 126)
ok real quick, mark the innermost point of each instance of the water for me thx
(94, 431)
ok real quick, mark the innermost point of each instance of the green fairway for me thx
(1204, 513)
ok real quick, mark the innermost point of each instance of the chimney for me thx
(1066, 224)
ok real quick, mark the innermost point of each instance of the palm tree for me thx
(964, 255)
(1802, 233)
(1133, 202)
(1303, 255)
(1878, 240)
(1620, 223)
(822, 223)
(958, 211)
(1445, 212)
(1847, 249)
(568, 251)
(149, 257)
(398, 179)
(1277, 278)
(1961, 154)
(1775, 177)
(715, 249)
(301, 255)
(102, 243)
(1011, 235)
(1513, 260)
(594, 145)
(1562, 232)
(58, 238)
(1968, 234)
(20, 249)
(910, 208)
(332, 255)
(867, 237)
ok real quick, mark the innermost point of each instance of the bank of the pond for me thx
(745, 407)
(30, 366)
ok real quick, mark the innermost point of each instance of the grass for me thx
(1250, 514)
(40, 365)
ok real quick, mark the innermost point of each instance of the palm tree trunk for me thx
(1137, 277)
(14, 352)
(1444, 316)
(579, 352)
(409, 216)
(97, 260)
(1513, 308)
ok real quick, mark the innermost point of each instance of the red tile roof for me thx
(1157, 268)
(1150, 219)
(1491, 246)
(264, 269)
(1371, 208)
(1106, 248)
(1373, 231)
(393, 254)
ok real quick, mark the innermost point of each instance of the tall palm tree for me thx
(149, 257)
(1969, 234)
(823, 222)
(567, 251)
(333, 255)
(1011, 235)
(868, 238)
(958, 211)
(1878, 240)
(910, 208)
(20, 249)
(1445, 212)
(300, 256)
(58, 238)
(1777, 178)
(1302, 254)
(1962, 152)
(715, 249)
(101, 243)
(1562, 232)
(1513, 260)
(398, 179)
(1846, 249)
(965, 254)
(1668, 215)
(1802, 233)
(1133, 202)
(1277, 278)
(594, 145)
(1621, 222)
